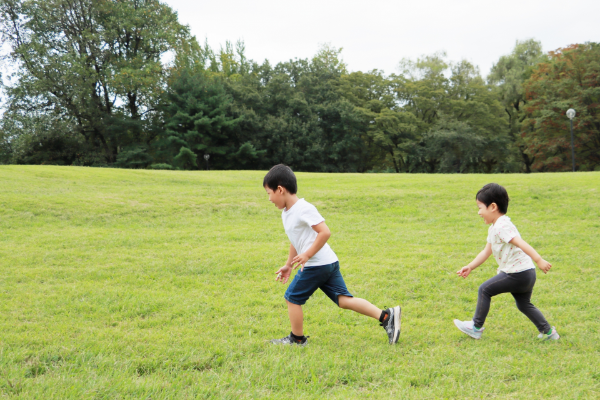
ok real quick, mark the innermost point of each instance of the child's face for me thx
(276, 196)
(488, 213)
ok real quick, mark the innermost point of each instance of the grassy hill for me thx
(158, 284)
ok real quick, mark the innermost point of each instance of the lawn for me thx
(122, 284)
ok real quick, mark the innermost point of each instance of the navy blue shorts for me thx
(328, 278)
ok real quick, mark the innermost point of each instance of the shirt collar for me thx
(502, 218)
(285, 210)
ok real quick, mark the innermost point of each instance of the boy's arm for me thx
(480, 259)
(293, 253)
(323, 234)
(530, 251)
(283, 273)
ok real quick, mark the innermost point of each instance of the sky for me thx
(377, 34)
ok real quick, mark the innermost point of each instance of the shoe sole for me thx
(397, 323)
(289, 344)
(465, 332)
(551, 337)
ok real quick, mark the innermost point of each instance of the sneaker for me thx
(391, 323)
(551, 335)
(468, 328)
(291, 341)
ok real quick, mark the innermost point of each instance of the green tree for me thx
(422, 88)
(98, 61)
(198, 122)
(371, 95)
(456, 147)
(449, 101)
(296, 112)
(508, 76)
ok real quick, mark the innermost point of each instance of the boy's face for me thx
(277, 196)
(488, 213)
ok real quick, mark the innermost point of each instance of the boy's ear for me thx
(281, 189)
(494, 207)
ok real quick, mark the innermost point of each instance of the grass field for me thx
(156, 284)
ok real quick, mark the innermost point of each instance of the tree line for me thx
(122, 83)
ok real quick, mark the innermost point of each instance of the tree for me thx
(422, 88)
(570, 78)
(508, 76)
(371, 94)
(197, 122)
(98, 61)
(296, 112)
(456, 147)
(449, 101)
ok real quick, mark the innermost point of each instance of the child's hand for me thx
(300, 260)
(283, 274)
(464, 272)
(544, 266)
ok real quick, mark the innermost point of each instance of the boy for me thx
(516, 272)
(320, 267)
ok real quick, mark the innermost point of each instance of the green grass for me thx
(156, 284)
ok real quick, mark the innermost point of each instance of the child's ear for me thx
(494, 207)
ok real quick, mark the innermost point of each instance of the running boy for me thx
(516, 272)
(320, 268)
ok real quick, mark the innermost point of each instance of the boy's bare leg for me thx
(296, 318)
(359, 305)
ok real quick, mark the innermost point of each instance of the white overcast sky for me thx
(377, 34)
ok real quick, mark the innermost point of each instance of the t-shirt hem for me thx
(516, 272)
(320, 263)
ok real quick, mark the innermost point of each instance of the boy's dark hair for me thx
(493, 193)
(281, 175)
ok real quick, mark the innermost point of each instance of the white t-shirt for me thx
(298, 222)
(510, 258)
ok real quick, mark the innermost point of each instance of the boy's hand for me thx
(464, 272)
(283, 273)
(300, 260)
(544, 265)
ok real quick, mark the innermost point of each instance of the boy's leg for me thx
(335, 289)
(524, 305)
(300, 289)
(361, 306)
(296, 318)
(500, 283)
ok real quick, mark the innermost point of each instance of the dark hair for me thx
(281, 175)
(493, 193)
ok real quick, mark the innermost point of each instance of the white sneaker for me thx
(547, 336)
(468, 328)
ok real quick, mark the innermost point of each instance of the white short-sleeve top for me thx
(510, 258)
(298, 222)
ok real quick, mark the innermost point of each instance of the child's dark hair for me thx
(281, 175)
(493, 193)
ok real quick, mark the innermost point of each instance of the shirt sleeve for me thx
(311, 216)
(506, 233)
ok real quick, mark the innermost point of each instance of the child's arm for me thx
(283, 273)
(530, 251)
(480, 259)
(323, 234)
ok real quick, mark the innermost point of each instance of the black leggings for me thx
(520, 285)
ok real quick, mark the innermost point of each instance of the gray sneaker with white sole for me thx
(468, 328)
(391, 323)
(289, 340)
(552, 335)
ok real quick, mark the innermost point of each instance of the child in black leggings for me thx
(516, 272)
